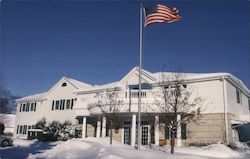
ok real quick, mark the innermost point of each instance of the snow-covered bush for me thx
(55, 130)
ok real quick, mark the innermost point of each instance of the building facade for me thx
(225, 104)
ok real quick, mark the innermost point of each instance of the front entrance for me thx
(145, 135)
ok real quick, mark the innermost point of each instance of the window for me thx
(21, 129)
(57, 104)
(24, 105)
(183, 131)
(64, 84)
(24, 129)
(63, 104)
(68, 104)
(27, 107)
(238, 95)
(53, 103)
(136, 94)
(32, 107)
(29, 127)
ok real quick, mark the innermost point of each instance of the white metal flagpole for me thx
(140, 72)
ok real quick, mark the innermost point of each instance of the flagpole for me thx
(140, 72)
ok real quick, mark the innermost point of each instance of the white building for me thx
(226, 102)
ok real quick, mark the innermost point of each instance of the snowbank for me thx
(93, 148)
(214, 150)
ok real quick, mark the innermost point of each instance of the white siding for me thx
(211, 93)
(240, 110)
(60, 93)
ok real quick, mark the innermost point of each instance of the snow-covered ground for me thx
(92, 148)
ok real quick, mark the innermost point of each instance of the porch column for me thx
(98, 129)
(104, 126)
(178, 142)
(133, 130)
(84, 126)
(156, 130)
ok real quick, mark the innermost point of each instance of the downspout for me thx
(225, 107)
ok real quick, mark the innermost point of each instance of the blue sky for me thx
(98, 42)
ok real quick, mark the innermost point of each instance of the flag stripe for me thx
(160, 14)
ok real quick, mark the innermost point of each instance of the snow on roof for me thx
(8, 119)
(188, 76)
(100, 87)
(79, 84)
(34, 97)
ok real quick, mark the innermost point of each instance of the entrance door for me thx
(145, 135)
(126, 138)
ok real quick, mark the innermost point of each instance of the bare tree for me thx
(7, 103)
(111, 105)
(175, 98)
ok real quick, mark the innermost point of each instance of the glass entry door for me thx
(145, 135)
(126, 138)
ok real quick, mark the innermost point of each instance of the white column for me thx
(156, 130)
(98, 129)
(133, 130)
(104, 126)
(84, 126)
(178, 142)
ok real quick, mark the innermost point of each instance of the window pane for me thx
(24, 105)
(57, 104)
(63, 104)
(68, 104)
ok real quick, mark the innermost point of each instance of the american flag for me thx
(160, 14)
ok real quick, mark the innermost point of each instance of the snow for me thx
(8, 119)
(94, 148)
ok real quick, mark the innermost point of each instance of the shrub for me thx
(2, 127)
(55, 130)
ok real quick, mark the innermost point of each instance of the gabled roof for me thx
(79, 84)
(117, 83)
(136, 69)
(41, 96)
(35, 97)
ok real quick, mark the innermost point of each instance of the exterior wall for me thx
(240, 110)
(211, 93)
(59, 93)
(91, 130)
(210, 128)
(44, 108)
(27, 118)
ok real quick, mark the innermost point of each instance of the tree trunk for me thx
(111, 132)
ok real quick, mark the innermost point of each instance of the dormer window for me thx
(64, 84)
